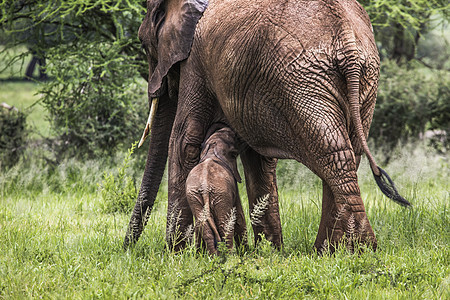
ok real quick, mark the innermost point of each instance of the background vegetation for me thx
(67, 182)
(96, 96)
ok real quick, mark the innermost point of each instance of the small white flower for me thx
(259, 209)
(230, 222)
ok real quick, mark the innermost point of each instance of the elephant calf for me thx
(212, 192)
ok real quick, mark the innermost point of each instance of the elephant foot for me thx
(265, 219)
(273, 237)
(177, 241)
(346, 227)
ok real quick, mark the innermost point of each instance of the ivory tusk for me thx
(151, 117)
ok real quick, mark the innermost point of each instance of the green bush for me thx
(13, 136)
(410, 101)
(399, 25)
(118, 192)
(96, 100)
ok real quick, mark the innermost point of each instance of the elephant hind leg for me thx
(262, 191)
(344, 218)
(184, 152)
(205, 237)
(205, 230)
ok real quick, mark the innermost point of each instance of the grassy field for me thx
(57, 241)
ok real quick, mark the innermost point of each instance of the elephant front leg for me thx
(240, 228)
(262, 191)
(179, 227)
(344, 218)
(184, 152)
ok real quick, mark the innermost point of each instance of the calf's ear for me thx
(174, 23)
(235, 171)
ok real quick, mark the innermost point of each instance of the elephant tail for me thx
(382, 179)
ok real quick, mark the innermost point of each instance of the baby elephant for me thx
(212, 192)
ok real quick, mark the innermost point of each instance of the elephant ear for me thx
(236, 175)
(174, 23)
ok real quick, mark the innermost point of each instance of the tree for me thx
(95, 61)
(399, 24)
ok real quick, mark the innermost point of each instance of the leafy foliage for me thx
(94, 103)
(409, 103)
(433, 49)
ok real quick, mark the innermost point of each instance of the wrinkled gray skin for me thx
(294, 79)
(213, 195)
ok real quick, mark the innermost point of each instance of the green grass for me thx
(57, 242)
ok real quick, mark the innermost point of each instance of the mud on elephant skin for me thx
(213, 195)
(294, 79)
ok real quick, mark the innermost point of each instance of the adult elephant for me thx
(295, 79)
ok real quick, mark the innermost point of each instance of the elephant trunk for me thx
(154, 169)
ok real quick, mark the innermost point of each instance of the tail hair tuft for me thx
(387, 186)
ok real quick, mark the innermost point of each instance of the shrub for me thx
(118, 192)
(410, 101)
(96, 100)
(13, 135)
